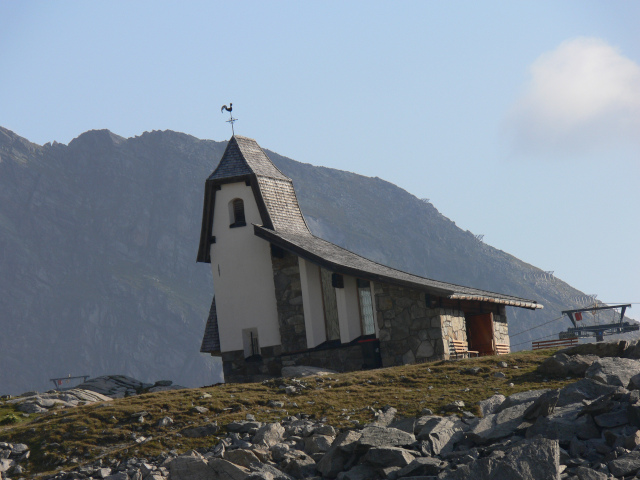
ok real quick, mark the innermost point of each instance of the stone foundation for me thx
(237, 369)
(286, 278)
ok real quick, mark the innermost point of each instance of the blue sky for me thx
(518, 120)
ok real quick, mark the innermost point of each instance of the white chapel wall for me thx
(242, 274)
(312, 303)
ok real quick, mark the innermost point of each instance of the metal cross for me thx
(232, 121)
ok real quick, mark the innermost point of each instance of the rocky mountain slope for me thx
(524, 416)
(98, 241)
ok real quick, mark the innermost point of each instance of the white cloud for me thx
(581, 96)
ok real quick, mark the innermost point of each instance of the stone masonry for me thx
(409, 332)
(500, 327)
(286, 277)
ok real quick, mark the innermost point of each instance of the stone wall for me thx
(286, 278)
(237, 369)
(500, 327)
(343, 358)
(409, 332)
(453, 325)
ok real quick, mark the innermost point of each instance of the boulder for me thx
(586, 473)
(385, 437)
(384, 417)
(520, 398)
(625, 465)
(388, 457)
(269, 435)
(359, 472)
(543, 406)
(244, 458)
(317, 444)
(614, 371)
(442, 433)
(564, 424)
(341, 450)
(585, 389)
(614, 348)
(531, 460)
(190, 467)
(499, 425)
(422, 466)
(223, 470)
(563, 365)
(298, 465)
(491, 404)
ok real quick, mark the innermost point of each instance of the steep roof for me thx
(244, 160)
(340, 260)
(211, 339)
(243, 156)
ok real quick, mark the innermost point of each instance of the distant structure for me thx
(286, 297)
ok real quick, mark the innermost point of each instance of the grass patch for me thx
(68, 437)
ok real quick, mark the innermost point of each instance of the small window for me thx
(366, 307)
(236, 213)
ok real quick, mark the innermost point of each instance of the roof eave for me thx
(531, 305)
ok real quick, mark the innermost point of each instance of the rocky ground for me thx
(586, 430)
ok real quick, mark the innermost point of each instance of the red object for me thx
(578, 316)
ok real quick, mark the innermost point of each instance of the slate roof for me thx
(243, 156)
(340, 260)
(211, 339)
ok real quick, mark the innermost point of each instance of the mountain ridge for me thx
(99, 239)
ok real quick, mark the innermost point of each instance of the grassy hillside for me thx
(66, 438)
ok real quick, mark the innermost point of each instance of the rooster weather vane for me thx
(231, 119)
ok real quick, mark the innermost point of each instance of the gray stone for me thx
(125, 476)
(614, 348)
(223, 470)
(244, 458)
(269, 435)
(267, 472)
(189, 467)
(388, 457)
(586, 473)
(384, 417)
(442, 433)
(531, 460)
(6, 464)
(385, 437)
(564, 424)
(499, 425)
(359, 472)
(342, 448)
(243, 426)
(318, 444)
(405, 424)
(31, 407)
(520, 398)
(614, 371)
(491, 404)
(585, 389)
(543, 406)
(199, 409)
(298, 465)
(421, 466)
(625, 465)
(615, 418)
(562, 365)
(165, 421)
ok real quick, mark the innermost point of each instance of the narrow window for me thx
(236, 213)
(250, 343)
(366, 307)
(331, 322)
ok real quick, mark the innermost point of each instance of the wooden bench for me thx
(458, 348)
(562, 342)
(502, 349)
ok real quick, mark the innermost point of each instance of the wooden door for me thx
(480, 333)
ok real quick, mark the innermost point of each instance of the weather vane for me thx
(231, 119)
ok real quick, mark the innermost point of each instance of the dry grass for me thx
(67, 437)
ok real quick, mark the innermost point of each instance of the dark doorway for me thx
(480, 333)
